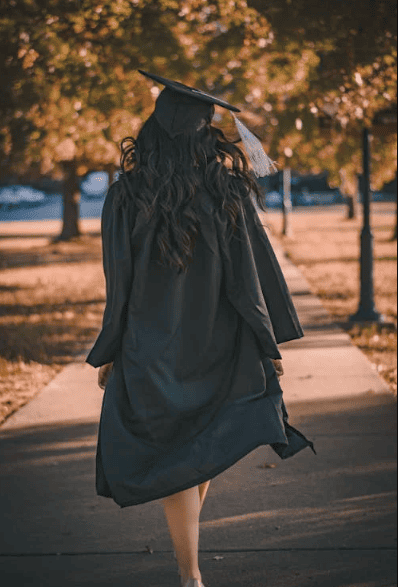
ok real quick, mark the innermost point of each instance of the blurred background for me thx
(312, 80)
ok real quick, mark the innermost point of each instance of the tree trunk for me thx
(287, 201)
(110, 169)
(71, 202)
(394, 235)
(353, 204)
(351, 211)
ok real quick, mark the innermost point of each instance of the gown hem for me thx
(204, 477)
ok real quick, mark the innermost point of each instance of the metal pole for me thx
(366, 311)
(287, 201)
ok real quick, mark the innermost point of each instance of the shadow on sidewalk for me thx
(325, 521)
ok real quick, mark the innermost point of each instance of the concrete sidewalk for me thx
(310, 521)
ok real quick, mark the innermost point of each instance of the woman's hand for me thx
(103, 374)
(278, 367)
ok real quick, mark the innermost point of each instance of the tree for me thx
(341, 59)
(72, 90)
(72, 86)
(394, 235)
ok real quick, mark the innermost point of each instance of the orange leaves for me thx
(118, 70)
(123, 123)
(113, 23)
(28, 57)
(65, 150)
(74, 72)
(78, 25)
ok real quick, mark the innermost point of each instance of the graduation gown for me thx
(193, 388)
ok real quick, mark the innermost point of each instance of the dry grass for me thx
(51, 304)
(52, 296)
(325, 246)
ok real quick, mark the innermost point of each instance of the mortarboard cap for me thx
(180, 107)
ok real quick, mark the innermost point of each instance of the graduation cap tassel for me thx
(262, 164)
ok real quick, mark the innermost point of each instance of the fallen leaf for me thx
(267, 466)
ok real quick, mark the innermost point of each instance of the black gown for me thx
(193, 388)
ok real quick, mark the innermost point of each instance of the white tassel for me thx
(262, 164)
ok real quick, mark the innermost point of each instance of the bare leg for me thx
(203, 489)
(182, 512)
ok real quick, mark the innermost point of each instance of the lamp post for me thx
(367, 311)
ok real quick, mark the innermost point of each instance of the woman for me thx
(196, 305)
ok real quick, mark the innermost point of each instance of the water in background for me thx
(26, 203)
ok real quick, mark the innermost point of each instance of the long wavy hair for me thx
(164, 175)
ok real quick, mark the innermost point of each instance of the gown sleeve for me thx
(118, 266)
(276, 294)
(255, 284)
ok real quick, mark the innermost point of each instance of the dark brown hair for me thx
(163, 176)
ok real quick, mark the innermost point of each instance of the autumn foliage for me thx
(307, 76)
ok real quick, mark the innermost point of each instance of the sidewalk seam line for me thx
(230, 551)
